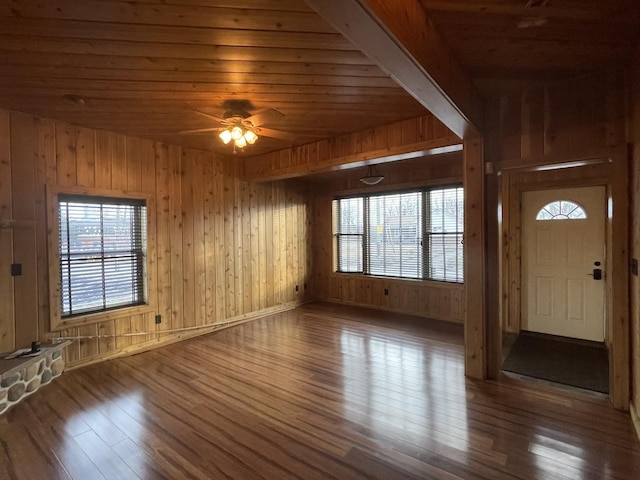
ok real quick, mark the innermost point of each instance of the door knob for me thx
(597, 274)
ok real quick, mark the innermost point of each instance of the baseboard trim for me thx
(169, 339)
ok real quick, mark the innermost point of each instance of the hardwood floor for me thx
(320, 392)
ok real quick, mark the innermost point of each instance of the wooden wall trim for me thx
(416, 137)
(633, 90)
(23, 179)
(475, 325)
(619, 368)
(555, 162)
(492, 274)
(7, 327)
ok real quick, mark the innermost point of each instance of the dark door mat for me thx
(568, 361)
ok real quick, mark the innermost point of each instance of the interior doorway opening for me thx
(562, 334)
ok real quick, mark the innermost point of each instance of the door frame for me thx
(612, 173)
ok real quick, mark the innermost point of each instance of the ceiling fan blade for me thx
(266, 115)
(208, 115)
(199, 130)
(269, 132)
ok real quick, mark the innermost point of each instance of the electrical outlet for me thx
(158, 319)
(16, 269)
(386, 291)
(297, 288)
(634, 266)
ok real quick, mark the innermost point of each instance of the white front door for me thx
(563, 245)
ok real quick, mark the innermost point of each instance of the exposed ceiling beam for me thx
(399, 36)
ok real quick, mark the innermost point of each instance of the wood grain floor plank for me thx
(103, 457)
(71, 458)
(138, 460)
(27, 455)
(320, 392)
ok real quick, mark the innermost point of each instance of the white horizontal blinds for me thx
(445, 227)
(410, 234)
(394, 235)
(349, 215)
(102, 249)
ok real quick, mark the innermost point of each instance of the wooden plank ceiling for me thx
(510, 43)
(146, 67)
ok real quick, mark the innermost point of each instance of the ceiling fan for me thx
(241, 128)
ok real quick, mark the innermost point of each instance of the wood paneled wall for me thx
(635, 238)
(579, 118)
(374, 145)
(582, 121)
(439, 300)
(220, 248)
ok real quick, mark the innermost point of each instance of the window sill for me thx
(381, 278)
(90, 318)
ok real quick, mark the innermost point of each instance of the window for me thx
(102, 247)
(561, 210)
(444, 234)
(412, 234)
(395, 235)
(350, 240)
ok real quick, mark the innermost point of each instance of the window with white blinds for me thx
(411, 234)
(102, 253)
(394, 243)
(444, 230)
(349, 224)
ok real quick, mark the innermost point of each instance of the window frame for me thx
(425, 233)
(59, 322)
(560, 216)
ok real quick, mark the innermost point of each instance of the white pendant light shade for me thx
(372, 177)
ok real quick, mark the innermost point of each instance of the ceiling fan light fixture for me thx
(236, 133)
(225, 136)
(372, 177)
(242, 127)
(250, 137)
(241, 142)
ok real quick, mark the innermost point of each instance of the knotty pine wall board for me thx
(207, 231)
